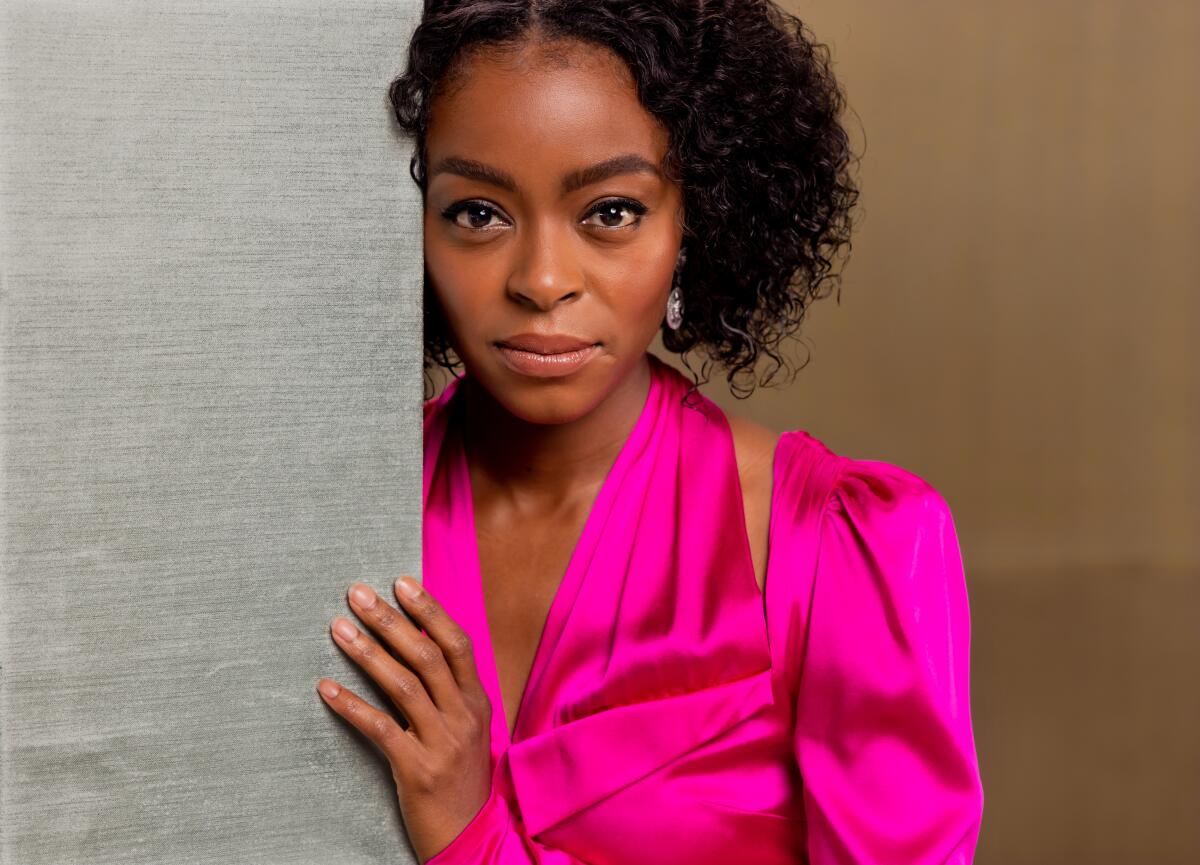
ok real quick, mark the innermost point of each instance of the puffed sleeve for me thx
(883, 734)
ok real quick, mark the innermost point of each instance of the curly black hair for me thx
(756, 142)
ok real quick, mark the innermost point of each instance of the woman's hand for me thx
(442, 763)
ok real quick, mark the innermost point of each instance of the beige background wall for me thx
(1018, 325)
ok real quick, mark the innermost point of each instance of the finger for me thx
(425, 664)
(380, 727)
(452, 641)
(401, 684)
(390, 624)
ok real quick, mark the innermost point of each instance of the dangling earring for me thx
(675, 298)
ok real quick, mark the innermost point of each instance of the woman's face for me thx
(546, 215)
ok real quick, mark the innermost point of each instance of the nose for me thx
(546, 273)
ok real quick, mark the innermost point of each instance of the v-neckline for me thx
(570, 582)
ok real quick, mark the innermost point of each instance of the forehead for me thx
(542, 110)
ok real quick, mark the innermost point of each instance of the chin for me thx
(557, 403)
(548, 400)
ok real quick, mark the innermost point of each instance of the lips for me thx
(546, 355)
(546, 343)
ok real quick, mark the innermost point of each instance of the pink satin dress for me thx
(677, 715)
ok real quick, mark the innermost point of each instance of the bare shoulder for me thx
(754, 445)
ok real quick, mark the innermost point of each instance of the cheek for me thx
(458, 283)
(639, 295)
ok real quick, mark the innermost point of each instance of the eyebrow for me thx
(624, 164)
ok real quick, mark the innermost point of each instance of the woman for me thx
(651, 633)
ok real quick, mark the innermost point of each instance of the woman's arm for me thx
(883, 732)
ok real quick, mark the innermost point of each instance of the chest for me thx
(521, 567)
(522, 563)
(717, 758)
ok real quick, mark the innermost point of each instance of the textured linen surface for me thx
(675, 714)
(210, 404)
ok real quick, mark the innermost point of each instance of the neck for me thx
(552, 463)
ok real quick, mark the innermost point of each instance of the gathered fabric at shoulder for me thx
(883, 735)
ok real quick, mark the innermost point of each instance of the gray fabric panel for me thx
(210, 385)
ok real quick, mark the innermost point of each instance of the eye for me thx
(611, 210)
(478, 215)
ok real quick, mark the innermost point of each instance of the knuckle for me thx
(419, 777)
(423, 780)
(427, 654)
(476, 723)
(484, 706)
(386, 619)
(408, 686)
(447, 762)
(425, 607)
(460, 646)
(381, 728)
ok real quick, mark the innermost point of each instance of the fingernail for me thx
(344, 629)
(362, 596)
(410, 587)
(328, 689)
